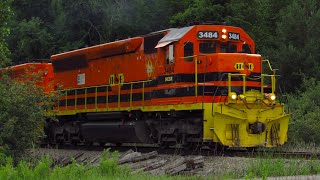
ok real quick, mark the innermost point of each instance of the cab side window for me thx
(169, 54)
(232, 48)
(223, 48)
(246, 49)
(188, 51)
(207, 47)
(228, 48)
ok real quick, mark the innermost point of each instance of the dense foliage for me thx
(5, 13)
(22, 116)
(304, 126)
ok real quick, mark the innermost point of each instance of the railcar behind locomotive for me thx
(40, 73)
(200, 84)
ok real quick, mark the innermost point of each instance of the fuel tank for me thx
(115, 131)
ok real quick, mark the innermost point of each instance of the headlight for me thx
(224, 36)
(272, 97)
(224, 30)
(233, 95)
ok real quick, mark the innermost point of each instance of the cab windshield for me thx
(208, 47)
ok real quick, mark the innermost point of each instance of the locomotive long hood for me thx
(103, 50)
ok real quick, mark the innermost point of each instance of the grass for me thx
(261, 167)
(43, 170)
(282, 167)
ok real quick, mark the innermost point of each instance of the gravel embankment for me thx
(213, 166)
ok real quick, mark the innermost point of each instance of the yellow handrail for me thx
(196, 76)
(243, 82)
(67, 99)
(143, 94)
(107, 97)
(131, 87)
(273, 82)
(96, 98)
(119, 95)
(75, 99)
(269, 65)
(107, 94)
(196, 70)
(85, 98)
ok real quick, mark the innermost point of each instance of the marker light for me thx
(233, 95)
(224, 30)
(241, 96)
(224, 36)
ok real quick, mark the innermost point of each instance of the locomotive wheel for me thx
(217, 148)
(251, 149)
(163, 145)
(66, 137)
(88, 143)
(188, 146)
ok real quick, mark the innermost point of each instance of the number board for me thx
(208, 34)
(234, 36)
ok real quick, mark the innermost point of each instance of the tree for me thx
(305, 123)
(5, 14)
(22, 107)
(296, 49)
(30, 40)
(195, 10)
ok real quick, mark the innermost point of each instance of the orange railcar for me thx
(42, 73)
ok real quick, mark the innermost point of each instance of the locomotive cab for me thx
(240, 108)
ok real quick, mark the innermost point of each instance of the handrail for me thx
(107, 94)
(196, 72)
(196, 76)
(243, 82)
(269, 65)
(273, 82)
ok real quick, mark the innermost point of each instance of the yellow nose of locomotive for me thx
(250, 119)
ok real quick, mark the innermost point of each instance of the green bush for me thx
(43, 169)
(305, 108)
(22, 115)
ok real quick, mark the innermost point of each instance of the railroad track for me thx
(204, 151)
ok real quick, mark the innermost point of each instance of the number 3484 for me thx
(207, 34)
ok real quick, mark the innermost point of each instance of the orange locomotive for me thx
(191, 85)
